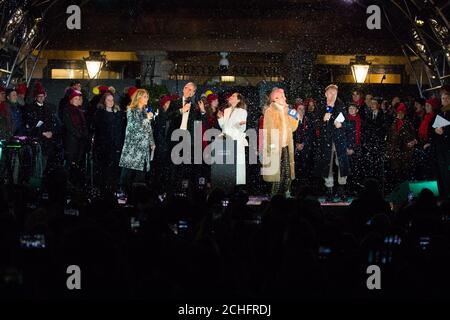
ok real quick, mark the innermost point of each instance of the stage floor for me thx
(257, 199)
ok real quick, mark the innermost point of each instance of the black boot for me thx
(342, 193)
(329, 197)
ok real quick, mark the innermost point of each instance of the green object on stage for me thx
(401, 192)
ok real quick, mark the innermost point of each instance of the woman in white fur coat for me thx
(233, 122)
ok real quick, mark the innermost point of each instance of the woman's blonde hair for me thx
(135, 98)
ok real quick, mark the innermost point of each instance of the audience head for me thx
(11, 95)
(237, 100)
(189, 90)
(75, 98)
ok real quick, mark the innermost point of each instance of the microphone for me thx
(329, 110)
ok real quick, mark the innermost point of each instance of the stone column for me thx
(154, 66)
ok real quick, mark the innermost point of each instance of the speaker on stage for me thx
(223, 166)
(411, 188)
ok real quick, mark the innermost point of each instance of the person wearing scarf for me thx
(422, 153)
(75, 137)
(425, 124)
(353, 131)
(440, 141)
(401, 142)
(419, 106)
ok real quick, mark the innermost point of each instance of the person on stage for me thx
(303, 138)
(108, 141)
(139, 143)
(278, 145)
(441, 147)
(332, 144)
(75, 137)
(183, 114)
(401, 143)
(354, 129)
(39, 123)
(233, 122)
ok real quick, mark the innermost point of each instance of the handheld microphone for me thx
(329, 110)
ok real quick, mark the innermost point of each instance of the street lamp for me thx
(94, 63)
(360, 68)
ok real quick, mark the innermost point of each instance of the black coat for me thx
(375, 131)
(441, 148)
(305, 133)
(162, 137)
(329, 134)
(75, 135)
(108, 131)
(175, 118)
(32, 115)
(441, 143)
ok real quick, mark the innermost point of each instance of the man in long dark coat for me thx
(332, 145)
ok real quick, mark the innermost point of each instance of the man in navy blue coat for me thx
(332, 144)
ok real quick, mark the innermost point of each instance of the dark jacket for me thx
(175, 117)
(16, 111)
(304, 133)
(76, 133)
(108, 131)
(398, 150)
(5, 121)
(34, 114)
(441, 143)
(329, 134)
(374, 130)
(162, 137)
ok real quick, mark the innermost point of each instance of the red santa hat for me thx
(103, 89)
(22, 88)
(131, 91)
(38, 89)
(401, 108)
(165, 99)
(211, 97)
(74, 93)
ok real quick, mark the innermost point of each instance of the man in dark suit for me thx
(374, 141)
(182, 116)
